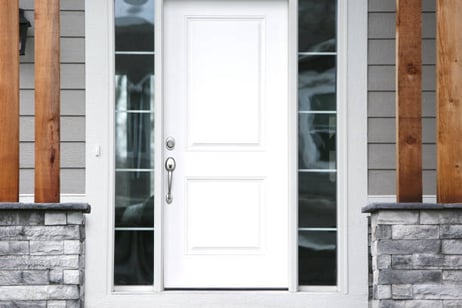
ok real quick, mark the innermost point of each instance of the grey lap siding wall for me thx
(381, 101)
(72, 100)
(381, 97)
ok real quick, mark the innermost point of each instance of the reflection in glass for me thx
(134, 142)
(316, 83)
(133, 256)
(317, 25)
(134, 25)
(134, 138)
(317, 141)
(317, 258)
(317, 203)
(134, 82)
(134, 197)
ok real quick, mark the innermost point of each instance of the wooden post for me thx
(408, 101)
(47, 101)
(449, 101)
(9, 101)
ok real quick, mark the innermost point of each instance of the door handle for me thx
(170, 165)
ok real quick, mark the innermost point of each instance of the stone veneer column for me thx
(42, 255)
(416, 255)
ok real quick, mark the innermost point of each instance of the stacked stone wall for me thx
(42, 257)
(417, 258)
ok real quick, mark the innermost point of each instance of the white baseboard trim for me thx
(78, 198)
(392, 198)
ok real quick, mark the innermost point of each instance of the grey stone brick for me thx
(381, 232)
(56, 304)
(56, 276)
(40, 232)
(434, 217)
(35, 277)
(55, 218)
(415, 232)
(402, 291)
(14, 262)
(437, 291)
(73, 304)
(432, 261)
(75, 218)
(39, 262)
(388, 276)
(31, 218)
(453, 276)
(408, 246)
(23, 304)
(4, 248)
(452, 303)
(8, 218)
(382, 291)
(18, 247)
(14, 248)
(72, 247)
(401, 262)
(381, 262)
(398, 217)
(452, 247)
(410, 304)
(58, 261)
(49, 292)
(46, 247)
(71, 276)
(451, 231)
(10, 277)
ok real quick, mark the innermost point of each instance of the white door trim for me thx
(352, 67)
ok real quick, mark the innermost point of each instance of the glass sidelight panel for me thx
(134, 142)
(317, 257)
(317, 25)
(317, 141)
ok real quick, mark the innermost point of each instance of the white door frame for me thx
(352, 288)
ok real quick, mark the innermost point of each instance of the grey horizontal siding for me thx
(390, 6)
(381, 97)
(379, 25)
(72, 129)
(382, 77)
(382, 156)
(71, 157)
(66, 5)
(72, 76)
(382, 104)
(72, 103)
(72, 23)
(72, 50)
(382, 130)
(72, 181)
(72, 99)
(382, 52)
(382, 182)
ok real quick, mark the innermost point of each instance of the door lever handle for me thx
(170, 165)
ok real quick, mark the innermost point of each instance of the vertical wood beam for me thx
(9, 101)
(449, 101)
(408, 101)
(47, 101)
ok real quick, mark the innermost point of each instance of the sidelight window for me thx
(317, 140)
(134, 142)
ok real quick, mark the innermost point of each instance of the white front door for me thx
(226, 106)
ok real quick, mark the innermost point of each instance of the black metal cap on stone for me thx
(59, 207)
(404, 206)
